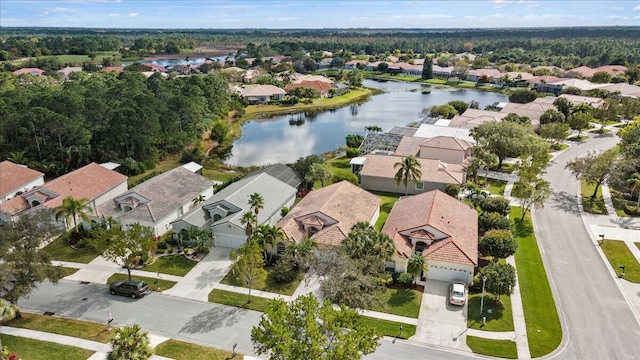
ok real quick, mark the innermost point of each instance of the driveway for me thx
(441, 323)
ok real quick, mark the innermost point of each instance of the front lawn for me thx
(180, 350)
(399, 301)
(500, 319)
(592, 205)
(177, 265)
(30, 349)
(59, 249)
(61, 326)
(494, 186)
(543, 325)
(389, 328)
(161, 286)
(500, 348)
(267, 285)
(388, 199)
(618, 255)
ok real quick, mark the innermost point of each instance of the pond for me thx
(286, 138)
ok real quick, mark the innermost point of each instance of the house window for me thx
(216, 217)
(280, 248)
(35, 203)
(420, 246)
(126, 208)
(420, 185)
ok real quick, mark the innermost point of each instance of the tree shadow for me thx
(400, 297)
(473, 312)
(522, 228)
(566, 202)
(211, 319)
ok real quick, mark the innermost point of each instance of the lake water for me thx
(286, 138)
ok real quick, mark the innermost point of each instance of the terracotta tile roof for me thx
(409, 145)
(338, 206)
(433, 170)
(32, 71)
(14, 176)
(319, 86)
(612, 70)
(443, 217)
(88, 182)
(583, 71)
(113, 68)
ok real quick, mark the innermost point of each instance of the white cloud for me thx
(133, 14)
(636, 18)
(45, 13)
(113, 15)
(637, 8)
(615, 8)
(529, 3)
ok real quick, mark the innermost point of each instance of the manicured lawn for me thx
(500, 319)
(493, 185)
(238, 300)
(180, 350)
(273, 287)
(389, 328)
(619, 254)
(577, 138)
(400, 301)
(592, 205)
(218, 175)
(61, 326)
(30, 349)
(339, 166)
(500, 348)
(66, 271)
(162, 283)
(60, 250)
(177, 265)
(506, 168)
(388, 199)
(543, 326)
(558, 147)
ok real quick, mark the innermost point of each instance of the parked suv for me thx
(133, 288)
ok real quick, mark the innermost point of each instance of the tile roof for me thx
(262, 90)
(441, 216)
(14, 177)
(319, 86)
(88, 182)
(165, 193)
(433, 170)
(447, 142)
(337, 207)
(32, 71)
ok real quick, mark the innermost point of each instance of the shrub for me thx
(350, 177)
(405, 279)
(498, 243)
(353, 152)
(452, 190)
(495, 204)
(491, 220)
(282, 272)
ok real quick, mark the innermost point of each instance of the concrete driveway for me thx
(441, 323)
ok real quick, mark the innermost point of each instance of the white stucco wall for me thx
(24, 188)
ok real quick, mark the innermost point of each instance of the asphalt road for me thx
(204, 323)
(597, 321)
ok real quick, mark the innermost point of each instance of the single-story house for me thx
(93, 182)
(298, 78)
(546, 84)
(378, 174)
(323, 88)
(441, 228)
(31, 71)
(67, 71)
(587, 72)
(156, 67)
(17, 179)
(158, 201)
(584, 85)
(447, 149)
(442, 72)
(474, 117)
(113, 68)
(251, 76)
(532, 110)
(352, 64)
(262, 94)
(623, 89)
(326, 215)
(222, 213)
(477, 74)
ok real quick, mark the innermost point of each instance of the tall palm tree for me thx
(131, 343)
(273, 234)
(8, 311)
(248, 220)
(74, 208)
(634, 185)
(416, 265)
(256, 202)
(197, 200)
(408, 169)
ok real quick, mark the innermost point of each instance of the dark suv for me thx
(133, 288)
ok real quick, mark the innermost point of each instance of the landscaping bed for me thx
(180, 350)
(500, 348)
(162, 284)
(31, 349)
(619, 254)
(500, 319)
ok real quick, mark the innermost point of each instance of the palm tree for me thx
(416, 265)
(272, 235)
(130, 343)
(409, 169)
(256, 202)
(634, 185)
(297, 252)
(8, 311)
(17, 157)
(197, 200)
(248, 219)
(74, 208)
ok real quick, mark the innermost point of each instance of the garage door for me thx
(447, 273)
(229, 241)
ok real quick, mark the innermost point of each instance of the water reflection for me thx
(288, 137)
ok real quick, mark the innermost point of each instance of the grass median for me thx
(499, 348)
(180, 350)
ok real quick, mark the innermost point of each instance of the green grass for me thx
(619, 254)
(340, 166)
(388, 199)
(493, 185)
(507, 168)
(162, 283)
(500, 319)
(592, 205)
(624, 208)
(177, 265)
(543, 325)
(80, 59)
(30, 349)
(499, 348)
(399, 301)
(389, 328)
(577, 138)
(180, 350)
(558, 147)
(218, 175)
(61, 326)
(268, 286)
(168, 163)
(66, 271)
(238, 300)
(59, 249)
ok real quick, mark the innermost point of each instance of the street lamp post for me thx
(484, 279)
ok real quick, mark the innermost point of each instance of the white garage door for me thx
(229, 241)
(447, 273)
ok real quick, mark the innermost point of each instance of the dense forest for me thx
(123, 117)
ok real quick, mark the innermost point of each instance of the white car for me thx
(457, 293)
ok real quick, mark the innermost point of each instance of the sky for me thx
(284, 14)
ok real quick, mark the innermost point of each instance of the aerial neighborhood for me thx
(490, 223)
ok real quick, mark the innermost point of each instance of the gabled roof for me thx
(88, 182)
(262, 90)
(319, 86)
(624, 89)
(474, 117)
(32, 71)
(165, 193)
(343, 202)
(283, 173)
(433, 170)
(13, 177)
(447, 142)
(113, 68)
(485, 72)
(443, 214)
